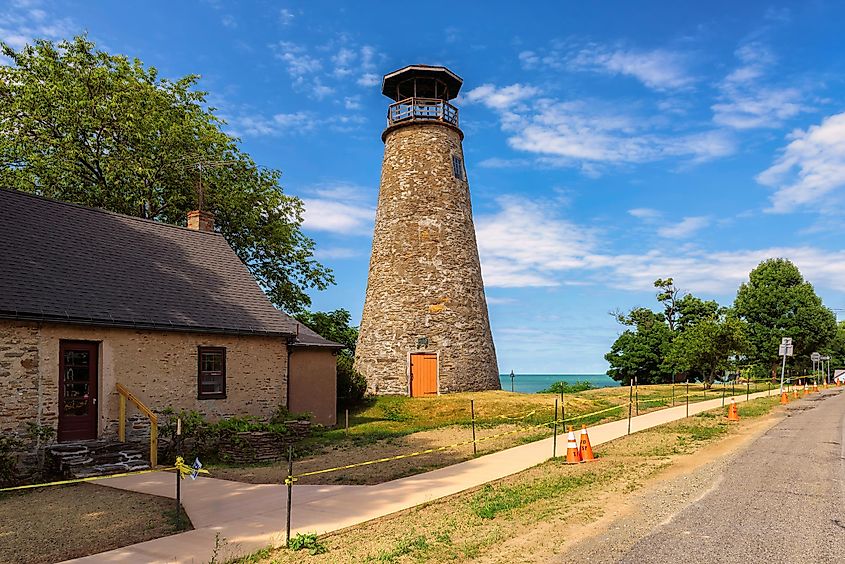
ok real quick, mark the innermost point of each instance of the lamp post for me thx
(512, 377)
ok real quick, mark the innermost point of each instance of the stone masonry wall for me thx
(159, 367)
(424, 291)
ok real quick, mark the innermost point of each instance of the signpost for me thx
(512, 376)
(785, 350)
(815, 357)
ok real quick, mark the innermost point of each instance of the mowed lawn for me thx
(394, 425)
(534, 513)
(61, 522)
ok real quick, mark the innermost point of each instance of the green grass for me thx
(405, 546)
(494, 500)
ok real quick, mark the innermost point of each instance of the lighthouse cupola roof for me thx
(421, 81)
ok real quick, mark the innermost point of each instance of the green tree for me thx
(334, 325)
(641, 351)
(777, 302)
(707, 346)
(84, 126)
(836, 348)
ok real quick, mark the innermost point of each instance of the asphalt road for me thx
(782, 500)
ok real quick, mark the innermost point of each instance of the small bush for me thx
(10, 446)
(351, 385)
(567, 388)
(309, 542)
(282, 414)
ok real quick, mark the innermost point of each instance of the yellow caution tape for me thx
(291, 479)
(90, 479)
(185, 470)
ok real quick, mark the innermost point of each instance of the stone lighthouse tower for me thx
(425, 328)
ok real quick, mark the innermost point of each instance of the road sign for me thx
(815, 357)
(786, 341)
(785, 350)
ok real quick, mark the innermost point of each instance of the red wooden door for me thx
(77, 391)
(423, 374)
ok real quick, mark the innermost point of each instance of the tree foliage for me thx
(640, 351)
(707, 346)
(81, 125)
(777, 302)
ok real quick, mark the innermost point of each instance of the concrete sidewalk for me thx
(252, 516)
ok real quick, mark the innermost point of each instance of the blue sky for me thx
(607, 143)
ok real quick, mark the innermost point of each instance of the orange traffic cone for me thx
(815, 387)
(586, 449)
(838, 383)
(573, 452)
(784, 398)
(733, 414)
(806, 390)
(795, 394)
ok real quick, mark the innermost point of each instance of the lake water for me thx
(533, 383)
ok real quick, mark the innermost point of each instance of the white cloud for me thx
(500, 98)
(369, 79)
(646, 214)
(718, 272)
(22, 23)
(339, 208)
(286, 16)
(578, 131)
(686, 227)
(659, 69)
(524, 245)
(811, 167)
(257, 125)
(746, 101)
(298, 62)
(320, 74)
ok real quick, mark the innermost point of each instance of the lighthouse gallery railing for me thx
(422, 109)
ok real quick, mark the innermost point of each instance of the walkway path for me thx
(252, 516)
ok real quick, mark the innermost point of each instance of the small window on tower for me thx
(458, 168)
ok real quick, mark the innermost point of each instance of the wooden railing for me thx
(422, 109)
(121, 429)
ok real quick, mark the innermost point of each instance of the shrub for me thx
(566, 388)
(10, 448)
(351, 385)
(309, 542)
(282, 414)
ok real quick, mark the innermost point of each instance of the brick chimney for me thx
(200, 220)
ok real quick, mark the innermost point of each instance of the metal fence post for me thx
(687, 398)
(554, 440)
(637, 394)
(289, 481)
(673, 391)
(472, 408)
(178, 473)
(747, 389)
(630, 403)
(724, 388)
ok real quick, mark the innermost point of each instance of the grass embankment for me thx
(62, 522)
(393, 425)
(531, 513)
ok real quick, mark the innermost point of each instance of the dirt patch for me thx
(62, 522)
(343, 454)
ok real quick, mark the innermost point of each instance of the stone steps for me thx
(85, 459)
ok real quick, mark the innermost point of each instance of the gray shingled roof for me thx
(67, 263)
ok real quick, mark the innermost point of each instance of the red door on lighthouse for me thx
(423, 375)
